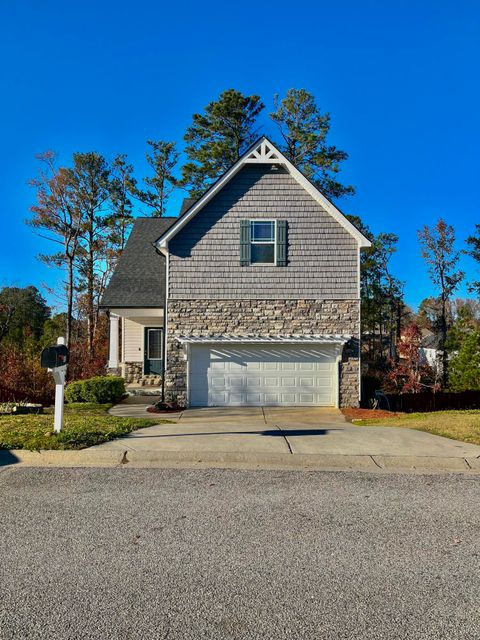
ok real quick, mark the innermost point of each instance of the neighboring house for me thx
(430, 351)
(262, 293)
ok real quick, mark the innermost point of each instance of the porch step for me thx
(146, 398)
(135, 389)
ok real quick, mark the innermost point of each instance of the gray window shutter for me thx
(244, 243)
(281, 243)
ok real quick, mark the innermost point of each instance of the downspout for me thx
(164, 359)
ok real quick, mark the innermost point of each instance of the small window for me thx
(262, 241)
(155, 344)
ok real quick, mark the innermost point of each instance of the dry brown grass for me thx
(458, 425)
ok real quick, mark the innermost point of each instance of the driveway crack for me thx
(284, 437)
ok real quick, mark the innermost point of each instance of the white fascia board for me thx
(162, 243)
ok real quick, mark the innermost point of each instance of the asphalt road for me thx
(147, 554)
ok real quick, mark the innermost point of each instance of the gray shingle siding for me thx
(205, 255)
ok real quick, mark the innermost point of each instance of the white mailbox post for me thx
(55, 360)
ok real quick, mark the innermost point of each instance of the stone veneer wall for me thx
(133, 371)
(262, 317)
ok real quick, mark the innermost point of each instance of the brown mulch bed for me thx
(352, 413)
(154, 409)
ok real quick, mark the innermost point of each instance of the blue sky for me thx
(400, 79)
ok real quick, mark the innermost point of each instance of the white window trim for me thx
(265, 264)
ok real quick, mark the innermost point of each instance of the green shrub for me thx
(101, 389)
(75, 391)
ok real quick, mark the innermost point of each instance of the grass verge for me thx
(457, 425)
(85, 424)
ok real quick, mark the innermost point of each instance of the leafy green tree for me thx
(466, 320)
(474, 250)
(23, 313)
(53, 327)
(465, 365)
(304, 129)
(438, 251)
(162, 160)
(217, 138)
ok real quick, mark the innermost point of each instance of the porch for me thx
(136, 346)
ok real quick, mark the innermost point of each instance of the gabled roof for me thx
(139, 277)
(262, 152)
(186, 204)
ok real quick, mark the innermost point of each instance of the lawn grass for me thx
(85, 424)
(457, 425)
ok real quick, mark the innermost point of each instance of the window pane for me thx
(263, 253)
(263, 231)
(154, 344)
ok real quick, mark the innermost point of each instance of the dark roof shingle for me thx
(186, 204)
(139, 277)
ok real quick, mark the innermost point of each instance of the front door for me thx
(153, 341)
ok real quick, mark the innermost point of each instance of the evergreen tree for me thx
(438, 251)
(474, 250)
(465, 365)
(383, 309)
(162, 160)
(218, 137)
(91, 180)
(304, 129)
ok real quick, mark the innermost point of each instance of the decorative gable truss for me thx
(263, 152)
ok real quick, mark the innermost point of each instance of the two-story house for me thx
(250, 297)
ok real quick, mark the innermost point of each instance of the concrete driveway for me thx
(279, 430)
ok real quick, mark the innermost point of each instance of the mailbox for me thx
(53, 357)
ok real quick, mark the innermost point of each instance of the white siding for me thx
(133, 341)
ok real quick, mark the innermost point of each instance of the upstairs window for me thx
(262, 240)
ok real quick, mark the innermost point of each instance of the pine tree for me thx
(91, 180)
(162, 160)
(218, 137)
(438, 251)
(304, 129)
(474, 250)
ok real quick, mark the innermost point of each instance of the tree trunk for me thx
(90, 292)
(444, 340)
(68, 336)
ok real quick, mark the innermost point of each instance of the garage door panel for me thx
(242, 375)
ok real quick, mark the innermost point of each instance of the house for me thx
(430, 350)
(250, 297)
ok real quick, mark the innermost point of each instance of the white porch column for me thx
(113, 346)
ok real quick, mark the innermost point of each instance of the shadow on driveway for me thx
(7, 458)
(276, 433)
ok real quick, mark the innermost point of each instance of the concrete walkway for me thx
(269, 434)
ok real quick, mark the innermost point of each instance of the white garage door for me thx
(256, 375)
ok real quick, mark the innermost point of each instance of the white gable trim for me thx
(264, 152)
